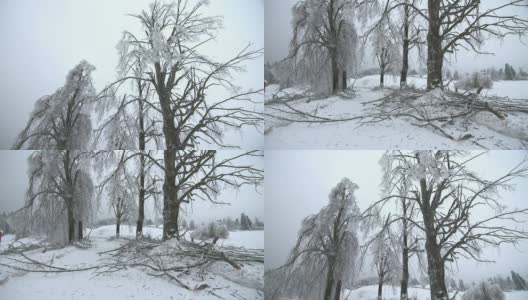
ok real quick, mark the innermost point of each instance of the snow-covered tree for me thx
(324, 41)
(189, 111)
(323, 259)
(121, 194)
(385, 258)
(446, 191)
(518, 282)
(484, 291)
(61, 121)
(386, 48)
(166, 55)
(143, 178)
(210, 231)
(60, 197)
(461, 285)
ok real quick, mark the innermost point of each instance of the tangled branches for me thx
(179, 261)
(443, 111)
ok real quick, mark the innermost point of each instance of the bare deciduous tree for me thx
(446, 191)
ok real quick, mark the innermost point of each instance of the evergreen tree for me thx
(461, 285)
(518, 282)
(456, 76)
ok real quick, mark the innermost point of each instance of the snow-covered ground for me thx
(397, 133)
(393, 293)
(133, 283)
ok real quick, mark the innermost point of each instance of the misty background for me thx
(14, 183)
(43, 40)
(298, 183)
(278, 33)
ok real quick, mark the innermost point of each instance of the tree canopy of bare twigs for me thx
(166, 54)
(447, 191)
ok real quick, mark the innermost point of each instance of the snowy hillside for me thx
(212, 281)
(293, 126)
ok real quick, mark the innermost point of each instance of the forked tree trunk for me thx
(172, 143)
(344, 81)
(80, 230)
(435, 54)
(405, 50)
(436, 268)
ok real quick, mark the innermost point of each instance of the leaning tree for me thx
(62, 120)
(447, 193)
(323, 259)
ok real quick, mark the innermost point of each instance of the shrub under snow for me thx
(484, 291)
(474, 81)
(210, 231)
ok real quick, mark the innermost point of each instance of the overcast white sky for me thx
(278, 32)
(298, 182)
(43, 40)
(14, 183)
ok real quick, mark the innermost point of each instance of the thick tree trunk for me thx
(141, 204)
(71, 222)
(380, 287)
(80, 230)
(435, 262)
(338, 290)
(172, 143)
(329, 283)
(170, 197)
(141, 200)
(344, 81)
(405, 266)
(382, 78)
(405, 50)
(435, 53)
(118, 227)
(335, 73)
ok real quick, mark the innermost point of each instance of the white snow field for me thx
(487, 131)
(222, 280)
(393, 293)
